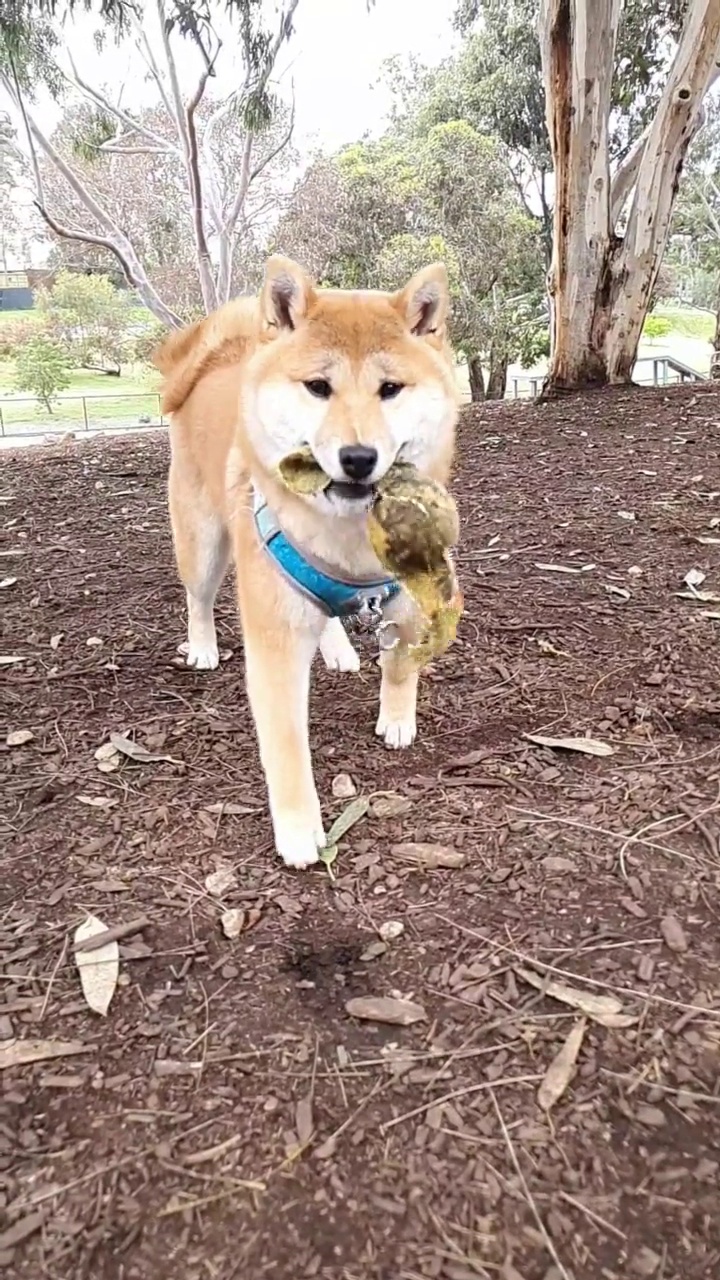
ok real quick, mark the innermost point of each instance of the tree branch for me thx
(114, 238)
(135, 126)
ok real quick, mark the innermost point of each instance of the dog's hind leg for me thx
(202, 552)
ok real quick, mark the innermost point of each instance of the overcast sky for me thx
(335, 59)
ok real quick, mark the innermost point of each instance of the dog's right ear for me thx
(287, 293)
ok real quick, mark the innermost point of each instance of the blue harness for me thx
(337, 597)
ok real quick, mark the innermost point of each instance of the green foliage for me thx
(656, 327)
(88, 317)
(41, 368)
(15, 333)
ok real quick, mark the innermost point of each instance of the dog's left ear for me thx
(287, 293)
(425, 301)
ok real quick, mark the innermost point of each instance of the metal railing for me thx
(666, 371)
(93, 412)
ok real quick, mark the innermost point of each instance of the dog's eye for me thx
(319, 387)
(389, 390)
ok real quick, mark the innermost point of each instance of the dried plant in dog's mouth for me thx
(412, 525)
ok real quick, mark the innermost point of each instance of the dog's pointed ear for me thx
(287, 293)
(424, 303)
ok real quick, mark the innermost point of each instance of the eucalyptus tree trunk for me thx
(601, 282)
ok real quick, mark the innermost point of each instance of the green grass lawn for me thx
(126, 398)
(687, 322)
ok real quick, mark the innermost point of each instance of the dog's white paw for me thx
(299, 844)
(203, 657)
(397, 733)
(337, 652)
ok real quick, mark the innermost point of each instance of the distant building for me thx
(15, 291)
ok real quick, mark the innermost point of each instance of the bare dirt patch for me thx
(229, 1117)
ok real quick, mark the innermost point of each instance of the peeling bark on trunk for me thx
(497, 376)
(601, 284)
(650, 215)
(578, 53)
(477, 379)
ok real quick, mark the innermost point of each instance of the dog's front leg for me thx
(281, 634)
(397, 721)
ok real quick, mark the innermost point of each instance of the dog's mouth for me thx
(349, 491)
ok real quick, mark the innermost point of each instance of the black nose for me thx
(358, 460)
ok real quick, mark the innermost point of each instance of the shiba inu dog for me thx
(360, 377)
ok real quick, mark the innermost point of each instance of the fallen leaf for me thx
(137, 752)
(708, 541)
(304, 1120)
(561, 1069)
(390, 805)
(55, 640)
(429, 857)
(7, 582)
(97, 802)
(399, 1013)
(564, 568)
(588, 746)
(673, 933)
(99, 969)
(93, 642)
(347, 819)
(391, 929)
(546, 646)
(8, 661)
(343, 787)
(627, 515)
(218, 882)
(599, 1008)
(694, 578)
(18, 737)
(19, 1053)
(328, 856)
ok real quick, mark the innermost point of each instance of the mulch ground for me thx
(554, 1112)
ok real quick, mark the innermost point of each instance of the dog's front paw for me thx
(202, 657)
(299, 843)
(396, 733)
(337, 652)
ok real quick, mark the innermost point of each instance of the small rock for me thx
(343, 787)
(373, 950)
(220, 881)
(233, 922)
(6, 1027)
(652, 1117)
(391, 929)
(18, 737)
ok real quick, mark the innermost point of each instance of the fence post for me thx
(85, 413)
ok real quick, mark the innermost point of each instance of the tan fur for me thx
(234, 385)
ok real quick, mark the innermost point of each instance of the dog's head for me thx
(360, 377)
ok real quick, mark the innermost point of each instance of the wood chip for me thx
(114, 934)
(562, 1068)
(19, 1053)
(21, 1230)
(399, 1013)
(607, 1010)
(430, 857)
(586, 746)
(304, 1122)
(673, 933)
